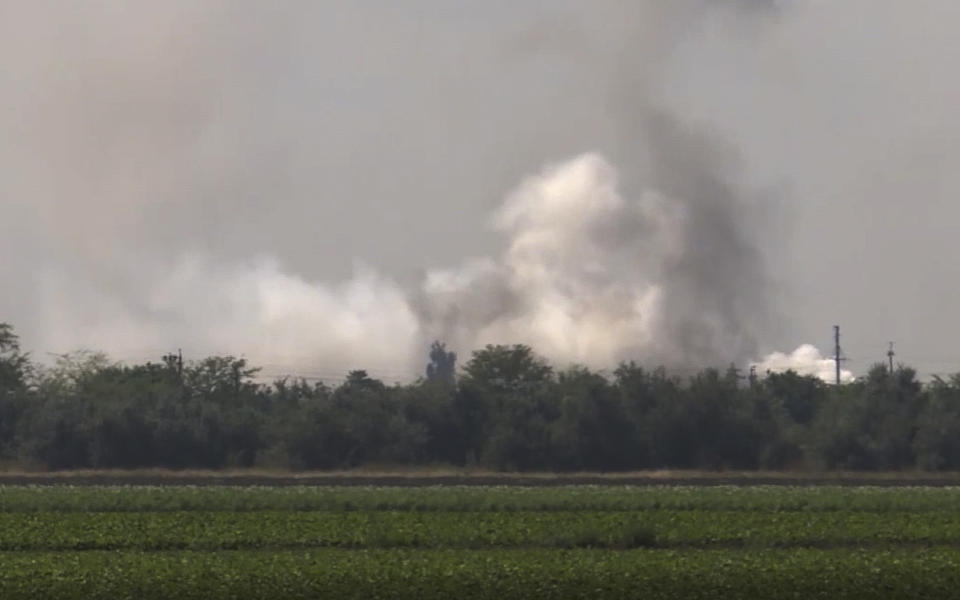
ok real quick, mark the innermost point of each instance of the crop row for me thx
(290, 530)
(504, 574)
(19, 499)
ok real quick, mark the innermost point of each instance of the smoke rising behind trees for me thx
(587, 276)
(682, 182)
(509, 409)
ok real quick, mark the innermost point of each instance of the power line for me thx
(836, 351)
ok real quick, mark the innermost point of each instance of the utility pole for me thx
(836, 350)
(890, 355)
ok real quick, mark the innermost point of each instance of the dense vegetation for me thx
(478, 542)
(932, 574)
(505, 409)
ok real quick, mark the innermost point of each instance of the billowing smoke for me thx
(592, 277)
(587, 276)
(180, 186)
(323, 186)
(805, 360)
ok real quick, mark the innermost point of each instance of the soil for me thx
(457, 478)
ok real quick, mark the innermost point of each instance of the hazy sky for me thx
(244, 176)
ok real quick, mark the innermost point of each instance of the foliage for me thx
(507, 410)
(606, 498)
(442, 367)
(14, 372)
(584, 542)
(506, 574)
(14, 365)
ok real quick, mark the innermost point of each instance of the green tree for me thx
(431, 405)
(507, 369)
(653, 403)
(504, 405)
(723, 433)
(870, 424)
(14, 364)
(937, 441)
(225, 404)
(442, 367)
(14, 371)
(799, 395)
(592, 431)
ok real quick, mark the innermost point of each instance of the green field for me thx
(61, 541)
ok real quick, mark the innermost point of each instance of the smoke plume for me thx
(333, 185)
(591, 277)
(586, 276)
(177, 183)
(805, 360)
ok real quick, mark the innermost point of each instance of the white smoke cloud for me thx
(580, 280)
(257, 310)
(561, 285)
(805, 360)
(147, 139)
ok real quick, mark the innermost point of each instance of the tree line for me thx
(504, 409)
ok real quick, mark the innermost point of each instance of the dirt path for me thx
(417, 479)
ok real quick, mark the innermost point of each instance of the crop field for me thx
(610, 541)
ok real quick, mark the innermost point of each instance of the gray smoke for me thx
(324, 186)
(587, 276)
(593, 277)
(162, 175)
(716, 291)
